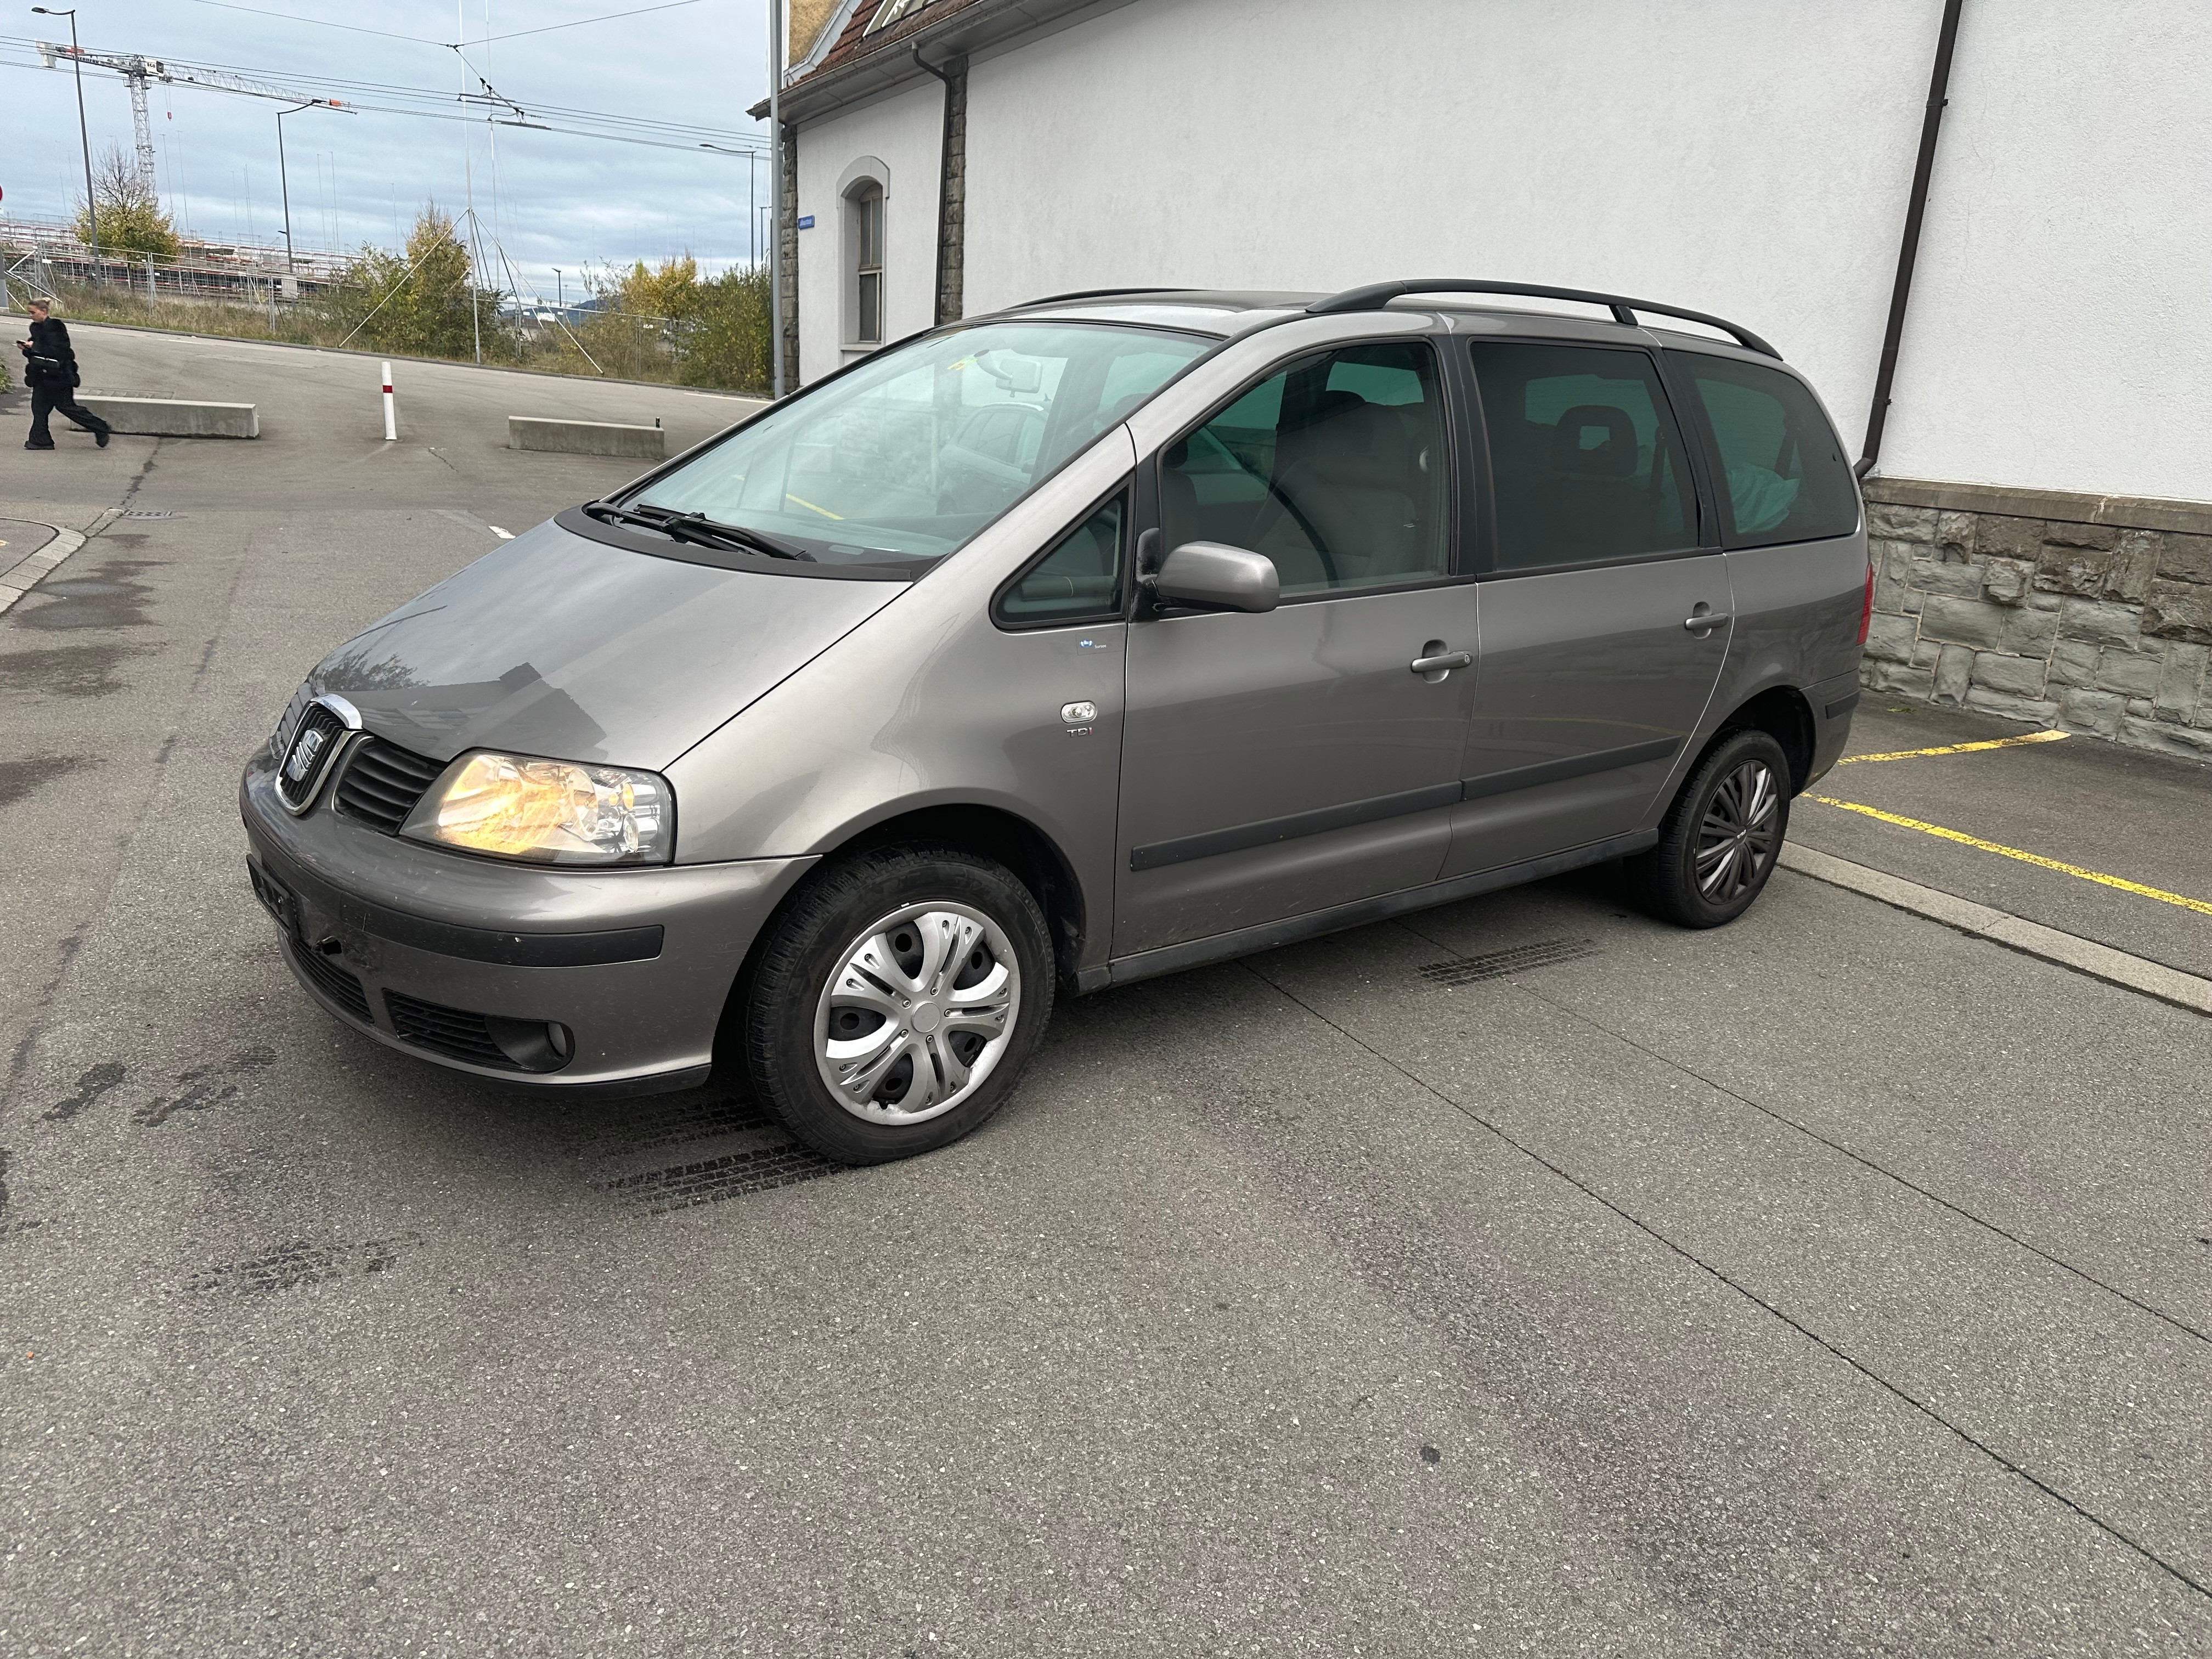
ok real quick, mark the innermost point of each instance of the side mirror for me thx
(1217, 577)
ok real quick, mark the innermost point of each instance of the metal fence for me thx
(38, 257)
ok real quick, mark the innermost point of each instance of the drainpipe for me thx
(944, 187)
(1931, 123)
(775, 130)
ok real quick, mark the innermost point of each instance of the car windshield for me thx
(910, 454)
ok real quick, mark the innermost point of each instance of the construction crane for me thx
(134, 69)
(140, 71)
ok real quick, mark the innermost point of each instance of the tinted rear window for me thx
(1783, 474)
(1585, 458)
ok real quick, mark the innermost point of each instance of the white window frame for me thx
(867, 179)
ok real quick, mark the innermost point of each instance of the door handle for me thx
(1441, 664)
(1705, 619)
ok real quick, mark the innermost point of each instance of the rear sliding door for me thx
(1605, 607)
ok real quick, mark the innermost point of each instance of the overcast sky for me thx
(551, 200)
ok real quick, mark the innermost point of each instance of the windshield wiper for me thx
(700, 531)
(759, 540)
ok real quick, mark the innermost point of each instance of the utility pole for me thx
(84, 136)
(775, 234)
(468, 182)
(560, 294)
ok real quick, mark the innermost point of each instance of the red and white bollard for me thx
(391, 412)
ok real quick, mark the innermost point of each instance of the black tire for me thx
(785, 1008)
(1721, 820)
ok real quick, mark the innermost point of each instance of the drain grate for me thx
(712, 1180)
(1497, 965)
(150, 515)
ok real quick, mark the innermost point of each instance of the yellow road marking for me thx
(810, 505)
(1958, 748)
(2137, 887)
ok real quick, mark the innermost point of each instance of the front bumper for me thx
(467, 962)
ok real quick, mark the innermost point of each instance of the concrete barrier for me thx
(167, 417)
(642, 443)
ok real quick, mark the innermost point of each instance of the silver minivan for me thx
(1085, 642)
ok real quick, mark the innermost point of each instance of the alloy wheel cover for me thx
(898, 1039)
(1739, 832)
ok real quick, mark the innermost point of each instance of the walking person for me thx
(49, 370)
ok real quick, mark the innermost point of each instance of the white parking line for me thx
(2152, 978)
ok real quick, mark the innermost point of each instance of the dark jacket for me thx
(50, 361)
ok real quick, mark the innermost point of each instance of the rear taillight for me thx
(1866, 605)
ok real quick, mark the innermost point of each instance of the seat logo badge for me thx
(303, 754)
(1079, 714)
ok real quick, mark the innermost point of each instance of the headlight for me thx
(547, 812)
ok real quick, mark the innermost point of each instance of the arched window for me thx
(864, 214)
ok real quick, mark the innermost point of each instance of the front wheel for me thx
(897, 1001)
(1718, 843)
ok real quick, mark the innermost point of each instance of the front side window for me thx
(1078, 579)
(1334, 469)
(1784, 469)
(909, 454)
(866, 207)
(1585, 456)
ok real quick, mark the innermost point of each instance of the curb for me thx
(43, 563)
(2068, 950)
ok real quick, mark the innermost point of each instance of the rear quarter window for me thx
(1784, 478)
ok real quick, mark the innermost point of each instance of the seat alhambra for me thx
(1091, 639)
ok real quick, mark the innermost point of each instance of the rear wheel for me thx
(1719, 840)
(895, 1003)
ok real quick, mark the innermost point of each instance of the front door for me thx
(1595, 667)
(1278, 765)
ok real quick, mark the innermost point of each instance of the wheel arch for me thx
(1782, 712)
(987, 831)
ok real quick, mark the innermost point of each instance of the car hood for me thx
(558, 645)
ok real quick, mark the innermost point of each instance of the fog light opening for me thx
(534, 1045)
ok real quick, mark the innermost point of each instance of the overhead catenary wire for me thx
(424, 41)
(391, 98)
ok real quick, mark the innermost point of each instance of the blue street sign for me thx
(807, 224)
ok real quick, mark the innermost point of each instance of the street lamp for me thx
(76, 68)
(560, 294)
(284, 180)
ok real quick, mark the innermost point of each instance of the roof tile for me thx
(854, 41)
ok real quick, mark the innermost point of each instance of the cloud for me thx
(551, 199)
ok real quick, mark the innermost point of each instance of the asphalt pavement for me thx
(1832, 1283)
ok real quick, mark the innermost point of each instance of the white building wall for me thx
(1736, 156)
(905, 132)
(2060, 335)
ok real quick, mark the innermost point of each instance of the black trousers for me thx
(59, 400)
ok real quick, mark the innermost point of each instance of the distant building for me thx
(2053, 389)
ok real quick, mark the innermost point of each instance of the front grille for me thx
(332, 981)
(453, 1032)
(383, 781)
(315, 742)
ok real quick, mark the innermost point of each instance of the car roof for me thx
(1227, 313)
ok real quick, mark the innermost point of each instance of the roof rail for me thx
(1097, 294)
(1376, 295)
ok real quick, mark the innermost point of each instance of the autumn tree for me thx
(126, 211)
(424, 301)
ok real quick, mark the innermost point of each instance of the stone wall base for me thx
(2088, 613)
